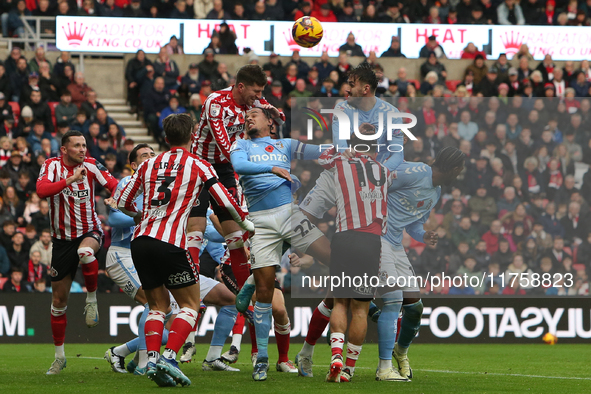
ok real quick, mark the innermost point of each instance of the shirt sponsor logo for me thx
(84, 193)
(180, 278)
(270, 157)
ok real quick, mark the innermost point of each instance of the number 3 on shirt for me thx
(164, 188)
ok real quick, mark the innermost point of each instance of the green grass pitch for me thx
(437, 369)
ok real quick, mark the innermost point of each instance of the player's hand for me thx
(431, 237)
(247, 225)
(79, 174)
(367, 129)
(282, 173)
(294, 260)
(348, 154)
(137, 219)
(110, 202)
(274, 111)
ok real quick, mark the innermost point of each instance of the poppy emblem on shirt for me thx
(420, 204)
(269, 148)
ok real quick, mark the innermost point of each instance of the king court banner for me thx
(24, 318)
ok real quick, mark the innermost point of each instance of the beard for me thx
(252, 132)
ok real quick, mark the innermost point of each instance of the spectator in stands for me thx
(179, 12)
(172, 108)
(575, 223)
(289, 79)
(324, 66)
(209, 65)
(191, 81)
(325, 14)
(432, 64)
(41, 110)
(299, 89)
(154, 102)
(557, 253)
(8, 230)
(39, 133)
(305, 9)
(550, 222)
(16, 284)
(202, 8)
(205, 90)
(510, 13)
(222, 79)
(259, 13)
(103, 148)
(65, 111)
(19, 78)
(79, 89)
(195, 107)
(33, 84)
(466, 233)
(5, 108)
(135, 10)
(166, 68)
(392, 14)
(108, 8)
(432, 46)
(134, 71)
(275, 11)
(24, 188)
(104, 121)
(275, 96)
(94, 130)
(39, 57)
(4, 263)
(351, 48)
(116, 137)
(13, 25)
(216, 12)
(5, 83)
(394, 50)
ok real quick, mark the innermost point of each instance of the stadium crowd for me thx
(515, 209)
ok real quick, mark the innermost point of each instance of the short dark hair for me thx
(449, 158)
(24, 174)
(110, 156)
(38, 122)
(46, 230)
(251, 74)
(133, 153)
(70, 134)
(365, 73)
(178, 128)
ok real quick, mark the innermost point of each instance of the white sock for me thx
(191, 337)
(59, 351)
(169, 354)
(122, 350)
(91, 296)
(250, 280)
(236, 340)
(214, 353)
(385, 364)
(143, 358)
(153, 357)
(307, 350)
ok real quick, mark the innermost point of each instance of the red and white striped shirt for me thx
(361, 192)
(71, 208)
(222, 122)
(171, 183)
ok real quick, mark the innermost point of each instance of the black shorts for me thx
(355, 255)
(226, 177)
(160, 263)
(64, 256)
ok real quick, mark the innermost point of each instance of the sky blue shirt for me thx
(253, 160)
(410, 200)
(372, 117)
(122, 226)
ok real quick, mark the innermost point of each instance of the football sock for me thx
(239, 264)
(253, 338)
(387, 324)
(337, 342)
(194, 243)
(237, 331)
(127, 348)
(191, 337)
(385, 364)
(353, 352)
(307, 350)
(221, 330)
(142, 359)
(411, 322)
(153, 329)
(140, 328)
(282, 338)
(89, 271)
(60, 352)
(182, 325)
(318, 322)
(262, 326)
(58, 328)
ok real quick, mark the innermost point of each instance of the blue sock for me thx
(133, 345)
(387, 323)
(262, 326)
(223, 325)
(164, 337)
(411, 322)
(142, 323)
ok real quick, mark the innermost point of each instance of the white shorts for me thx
(395, 268)
(121, 270)
(273, 227)
(205, 286)
(322, 197)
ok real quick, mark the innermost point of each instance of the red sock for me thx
(240, 267)
(180, 329)
(253, 339)
(194, 242)
(350, 362)
(90, 272)
(318, 324)
(282, 338)
(153, 330)
(239, 325)
(58, 328)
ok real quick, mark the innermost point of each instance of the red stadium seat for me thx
(52, 106)
(453, 84)
(415, 82)
(2, 281)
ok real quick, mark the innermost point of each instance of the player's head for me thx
(363, 82)
(450, 163)
(178, 129)
(139, 154)
(250, 82)
(259, 123)
(74, 146)
(363, 147)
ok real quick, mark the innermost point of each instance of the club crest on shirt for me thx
(53, 272)
(215, 109)
(279, 144)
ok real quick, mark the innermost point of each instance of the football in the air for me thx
(307, 32)
(550, 338)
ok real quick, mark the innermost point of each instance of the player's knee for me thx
(265, 293)
(86, 255)
(280, 314)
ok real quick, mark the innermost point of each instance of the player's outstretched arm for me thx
(225, 199)
(416, 230)
(126, 201)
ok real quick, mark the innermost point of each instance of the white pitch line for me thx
(503, 374)
(92, 358)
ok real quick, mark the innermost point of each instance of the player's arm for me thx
(243, 166)
(47, 186)
(102, 175)
(117, 218)
(301, 151)
(214, 115)
(397, 157)
(126, 201)
(328, 159)
(221, 195)
(278, 115)
(213, 232)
